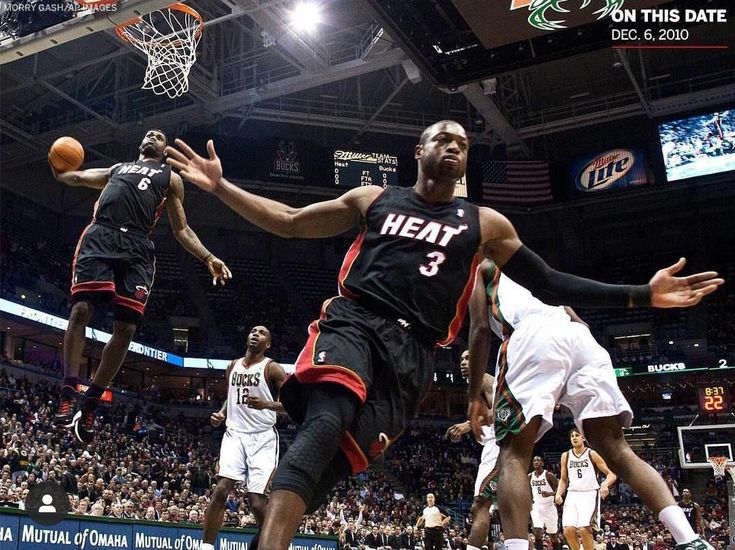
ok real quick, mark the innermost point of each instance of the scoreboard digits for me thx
(354, 169)
(714, 399)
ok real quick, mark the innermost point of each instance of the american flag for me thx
(516, 182)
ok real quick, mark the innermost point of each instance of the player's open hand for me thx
(670, 291)
(205, 173)
(216, 419)
(479, 416)
(219, 271)
(455, 432)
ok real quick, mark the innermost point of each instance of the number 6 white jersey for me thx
(581, 471)
(249, 381)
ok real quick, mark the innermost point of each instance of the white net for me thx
(719, 466)
(169, 38)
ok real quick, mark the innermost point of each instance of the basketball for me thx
(66, 154)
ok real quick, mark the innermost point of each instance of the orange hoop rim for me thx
(177, 6)
(719, 460)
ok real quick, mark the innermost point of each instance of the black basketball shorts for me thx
(381, 362)
(112, 264)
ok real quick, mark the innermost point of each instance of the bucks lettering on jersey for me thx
(581, 471)
(415, 261)
(539, 485)
(134, 196)
(246, 381)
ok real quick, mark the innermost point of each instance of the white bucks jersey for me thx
(581, 471)
(509, 303)
(248, 381)
(541, 485)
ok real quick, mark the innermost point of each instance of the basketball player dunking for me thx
(249, 451)
(487, 471)
(543, 511)
(404, 287)
(579, 466)
(114, 262)
(692, 511)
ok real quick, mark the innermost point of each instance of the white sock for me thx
(207, 546)
(516, 544)
(673, 517)
(470, 547)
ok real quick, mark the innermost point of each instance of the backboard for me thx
(698, 443)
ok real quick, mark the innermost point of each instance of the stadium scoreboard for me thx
(714, 398)
(355, 169)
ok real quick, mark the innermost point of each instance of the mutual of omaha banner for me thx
(19, 532)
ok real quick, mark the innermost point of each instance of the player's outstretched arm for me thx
(520, 263)
(187, 238)
(95, 178)
(322, 219)
(479, 349)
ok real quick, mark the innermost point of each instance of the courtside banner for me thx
(19, 532)
(606, 170)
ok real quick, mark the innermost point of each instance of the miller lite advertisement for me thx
(611, 169)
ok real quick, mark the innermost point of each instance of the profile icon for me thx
(47, 503)
(47, 507)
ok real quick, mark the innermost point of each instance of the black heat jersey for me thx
(689, 512)
(415, 261)
(134, 196)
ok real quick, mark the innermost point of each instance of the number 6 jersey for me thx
(415, 262)
(249, 381)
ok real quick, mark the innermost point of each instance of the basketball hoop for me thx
(168, 37)
(719, 466)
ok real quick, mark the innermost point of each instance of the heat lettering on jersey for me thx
(136, 169)
(413, 227)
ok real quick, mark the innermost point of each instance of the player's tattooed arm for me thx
(187, 238)
(95, 178)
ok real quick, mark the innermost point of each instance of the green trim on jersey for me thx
(509, 417)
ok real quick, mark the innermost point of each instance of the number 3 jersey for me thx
(249, 381)
(134, 196)
(415, 262)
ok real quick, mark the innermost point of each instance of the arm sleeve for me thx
(554, 287)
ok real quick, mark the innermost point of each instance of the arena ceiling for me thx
(360, 80)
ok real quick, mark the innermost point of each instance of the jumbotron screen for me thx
(698, 145)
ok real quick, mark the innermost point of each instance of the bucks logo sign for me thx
(545, 13)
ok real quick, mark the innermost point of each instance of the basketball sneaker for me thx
(65, 415)
(697, 544)
(83, 423)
